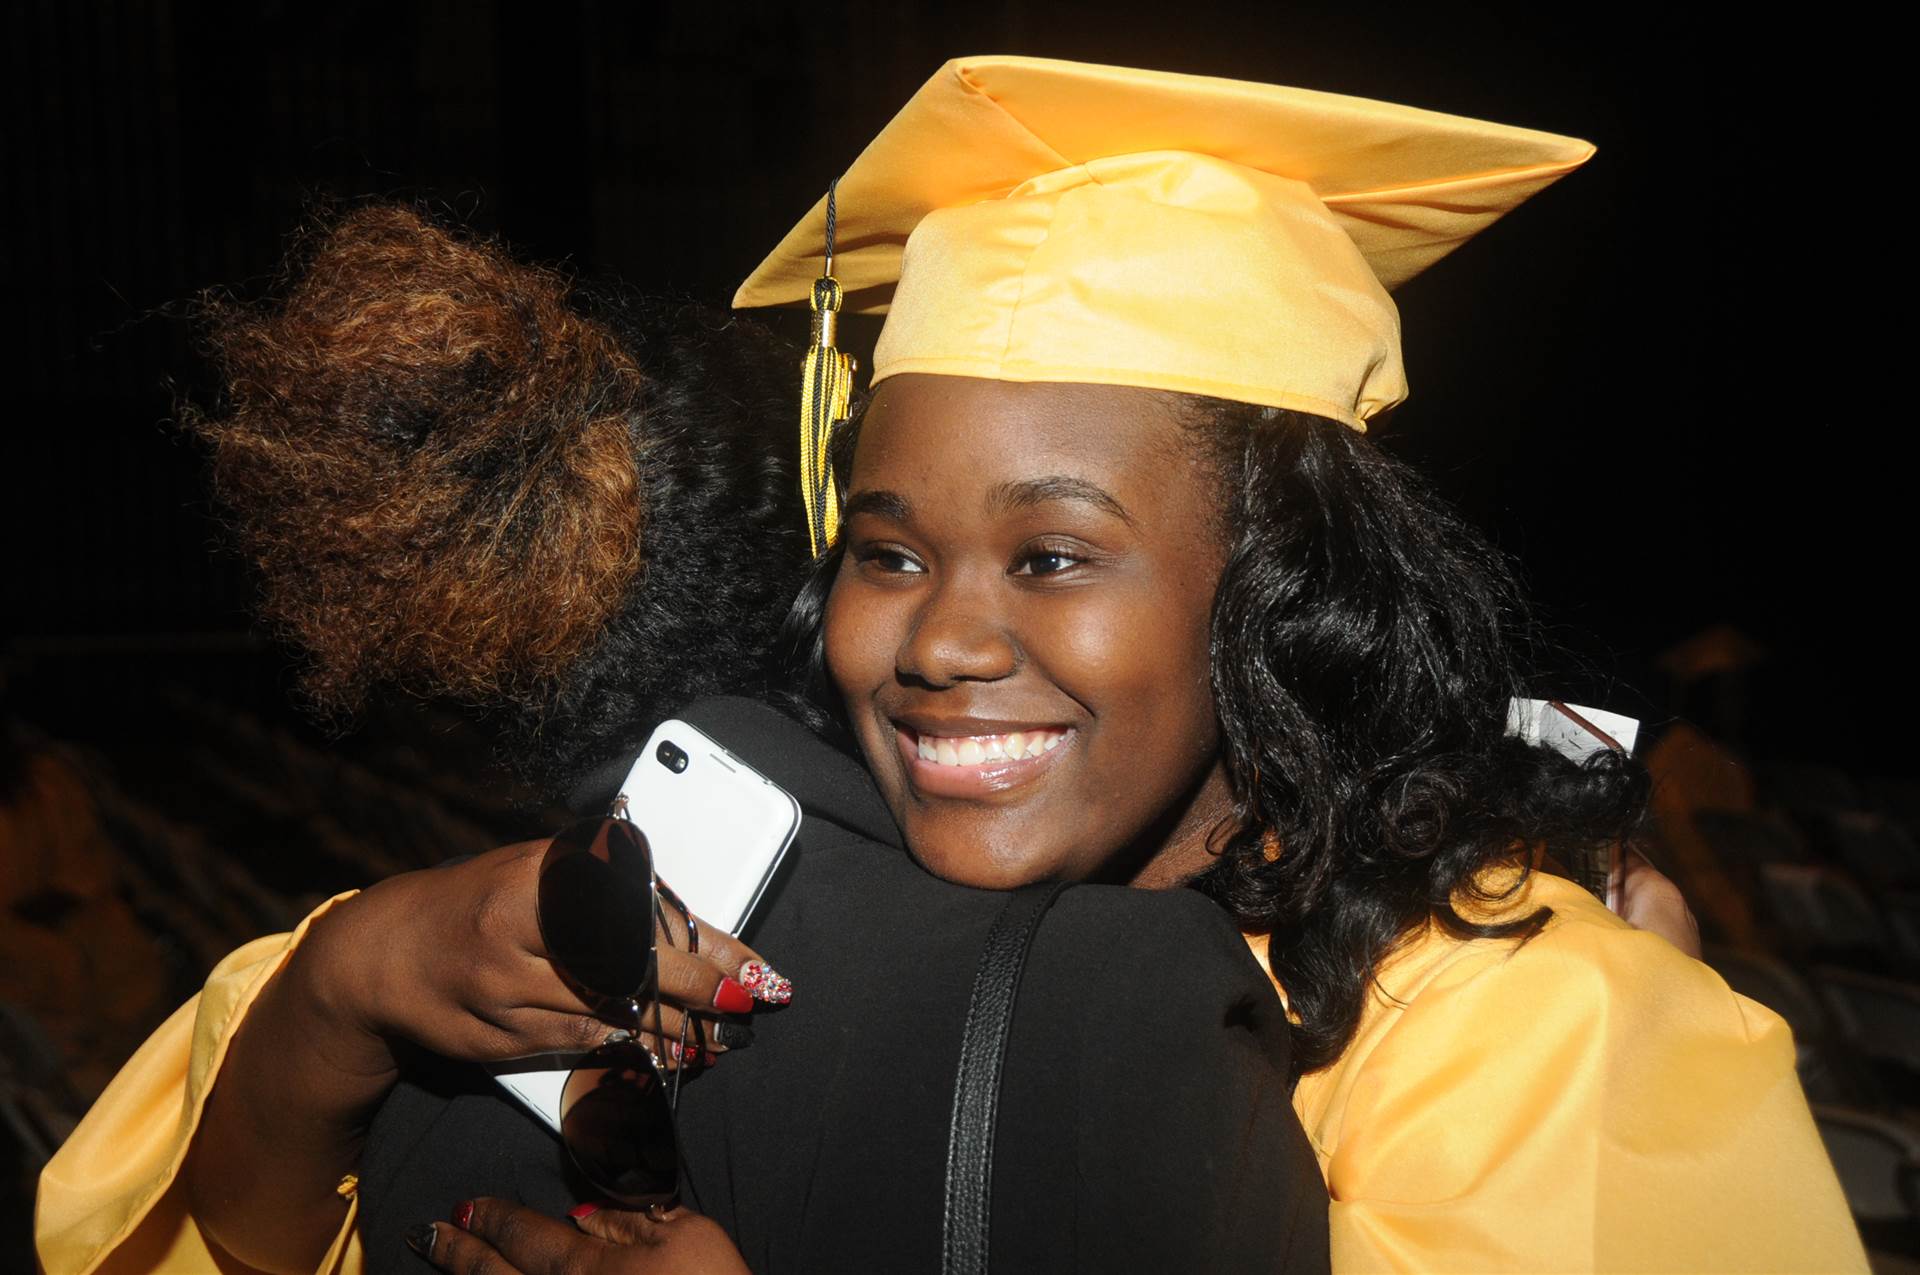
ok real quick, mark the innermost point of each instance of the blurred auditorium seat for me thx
(1829, 1070)
(1878, 1161)
(1873, 847)
(1880, 1017)
(1898, 799)
(1826, 916)
(1741, 843)
(1805, 789)
(1902, 910)
(1743, 836)
(37, 1108)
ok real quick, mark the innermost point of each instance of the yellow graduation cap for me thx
(1026, 219)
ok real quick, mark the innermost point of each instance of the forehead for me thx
(953, 432)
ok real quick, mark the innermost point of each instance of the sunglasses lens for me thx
(616, 1123)
(596, 906)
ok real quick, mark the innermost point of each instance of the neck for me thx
(1202, 823)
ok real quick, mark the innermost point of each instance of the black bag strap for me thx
(976, 1088)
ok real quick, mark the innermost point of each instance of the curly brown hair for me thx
(461, 475)
(429, 454)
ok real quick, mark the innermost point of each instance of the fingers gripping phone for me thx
(717, 829)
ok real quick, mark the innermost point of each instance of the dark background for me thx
(1658, 384)
(1668, 386)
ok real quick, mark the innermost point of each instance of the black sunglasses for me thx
(599, 900)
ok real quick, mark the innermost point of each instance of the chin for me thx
(979, 859)
(984, 874)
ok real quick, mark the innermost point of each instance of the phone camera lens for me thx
(672, 757)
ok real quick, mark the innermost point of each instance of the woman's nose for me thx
(958, 636)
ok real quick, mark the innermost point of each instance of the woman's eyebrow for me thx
(886, 504)
(1038, 491)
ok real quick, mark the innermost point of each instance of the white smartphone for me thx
(717, 829)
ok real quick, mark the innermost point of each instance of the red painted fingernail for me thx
(581, 1212)
(463, 1215)
(765, 983)
(731, 998)
(711, 1058)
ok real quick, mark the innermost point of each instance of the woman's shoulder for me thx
(1586, 990)
(1586, 975)
(1582, 950)
(1587, 1098)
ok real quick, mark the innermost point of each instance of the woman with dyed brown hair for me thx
(467, 477)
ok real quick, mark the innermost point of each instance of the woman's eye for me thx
(1046, 562)
(889, 560)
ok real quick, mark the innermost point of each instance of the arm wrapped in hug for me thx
(111, 1199)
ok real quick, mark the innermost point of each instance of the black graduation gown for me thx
(1145, 1118)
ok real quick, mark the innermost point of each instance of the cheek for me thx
(1141, 667)
(1193, 677)
(842, 642)
(860, 643)
(1169, 672)
(1150, 648)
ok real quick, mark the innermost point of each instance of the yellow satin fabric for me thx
(1590, 1101)
(109, 1199)
(1593, 1100)
(1029, 219)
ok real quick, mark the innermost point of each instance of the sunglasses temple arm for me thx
(653, 978)
(661, 890)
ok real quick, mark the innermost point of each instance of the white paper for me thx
(1538, 722)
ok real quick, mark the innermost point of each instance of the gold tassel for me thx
(826, 395)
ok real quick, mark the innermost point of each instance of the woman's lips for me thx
(975, 765)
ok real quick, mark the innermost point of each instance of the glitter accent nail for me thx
(765, 983)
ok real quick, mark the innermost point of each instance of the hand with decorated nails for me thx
(448, 959)
(501, 1238)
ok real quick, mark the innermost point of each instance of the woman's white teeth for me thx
(971, 750)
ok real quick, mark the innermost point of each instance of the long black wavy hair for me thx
(1365, 644)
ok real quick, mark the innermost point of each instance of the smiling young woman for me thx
(1111, 490)
(1019, 630)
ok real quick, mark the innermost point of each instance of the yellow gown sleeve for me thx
(1593, 1101)
(108, 1199)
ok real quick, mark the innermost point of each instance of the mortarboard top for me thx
(1026, 219)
